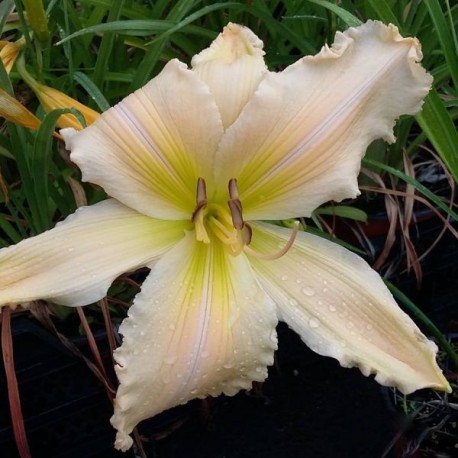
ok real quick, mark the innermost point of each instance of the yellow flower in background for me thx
(9, 52)
(52, 99)
(13, 110)
(193, 161)
(49, 98)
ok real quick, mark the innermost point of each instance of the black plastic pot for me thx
(66, 410)
(310, 407)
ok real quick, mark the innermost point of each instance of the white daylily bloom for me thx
(235, 135)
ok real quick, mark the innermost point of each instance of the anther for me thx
(201, 194)
(201, 198)
(233, 189)
(235, 206)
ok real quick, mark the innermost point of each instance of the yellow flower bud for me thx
(51, 99)
(9, 52)
(12, 110)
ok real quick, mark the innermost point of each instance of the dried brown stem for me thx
(108, 325)
(14, 399)
(94, 349)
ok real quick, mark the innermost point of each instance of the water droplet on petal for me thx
(369, 327)
(170, 359)
(314, 323)
(308, 291)
(71, 249)
(284, 277)
(332, 308)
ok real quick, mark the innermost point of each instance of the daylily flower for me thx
(192, 162)
(51, 99)
(9, 52)
(13, 110)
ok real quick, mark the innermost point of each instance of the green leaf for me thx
(137, 27)
(344, 211)
(440, 130)
(348, 18)
(384, 12)
(40, 162)
(445, 37)
(6, 7)
(92, 90)
(106, 45)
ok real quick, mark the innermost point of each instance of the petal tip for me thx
(123, 442)
(233, 42)
(68, 133)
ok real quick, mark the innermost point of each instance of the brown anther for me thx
(201, 198)
(233, 189)
(235, 206)
(201, 194)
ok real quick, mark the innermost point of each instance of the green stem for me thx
(25, 75)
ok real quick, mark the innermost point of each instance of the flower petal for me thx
(200, 326)
(232, 67)
(75, 263)
(13, 110)
(299, 141)
(9, 52)
(149, 150)
(52, 99)
(341, 308)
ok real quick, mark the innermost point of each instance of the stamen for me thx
(235, 206)
(222, 232)
(201, 232)
(201, 194)
(233, 189)
(279, 254)
(201, 199)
